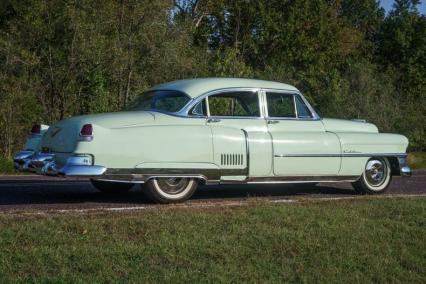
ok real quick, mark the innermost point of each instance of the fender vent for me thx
(231, 159)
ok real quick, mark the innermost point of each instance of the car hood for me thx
(113, 119)
(341, 125)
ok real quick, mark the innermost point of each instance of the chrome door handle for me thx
(273, 121)
(211, 120)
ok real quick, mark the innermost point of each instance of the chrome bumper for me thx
(404, 169)
(44, 163)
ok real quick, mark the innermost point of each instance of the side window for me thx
(280, 105)
(283, 105)
(302, 109)
(243, 104)
(199, 109)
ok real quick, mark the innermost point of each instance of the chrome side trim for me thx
(247, 152)
(138, 178)
(302, 179)
(210, 174)
(306, 155)
(403, 155)
(143, 179)
(142, 175)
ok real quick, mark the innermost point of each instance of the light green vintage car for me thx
(215, 130)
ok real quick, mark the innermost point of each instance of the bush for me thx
(6, 166)
(417, 160)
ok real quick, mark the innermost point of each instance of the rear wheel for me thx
(111, 186)
(170, 190)
(376, 177)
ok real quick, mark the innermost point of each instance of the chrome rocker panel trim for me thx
(302, 179)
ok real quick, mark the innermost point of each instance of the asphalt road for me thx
(35, 193)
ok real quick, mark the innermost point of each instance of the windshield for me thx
(167, 101)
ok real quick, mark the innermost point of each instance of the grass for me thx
(365, 240)
(417, 160)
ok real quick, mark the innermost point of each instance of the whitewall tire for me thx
(170, 190)
(376, 177)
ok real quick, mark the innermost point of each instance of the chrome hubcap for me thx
(173, 185)
(375, 172)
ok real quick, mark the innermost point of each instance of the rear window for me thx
(166, 101)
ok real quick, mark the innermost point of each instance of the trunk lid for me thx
(63, 136)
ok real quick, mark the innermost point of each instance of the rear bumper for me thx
(404, 169)
(45, 164)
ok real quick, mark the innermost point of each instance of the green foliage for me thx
(417, 160)
(6, 166)
(64, 58)
(361, 241)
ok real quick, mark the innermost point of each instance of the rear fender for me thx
(33, 142)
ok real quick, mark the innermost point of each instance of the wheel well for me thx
(200, 179)
(394, 163)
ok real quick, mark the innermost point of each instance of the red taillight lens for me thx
(86, 130)
(36, 129)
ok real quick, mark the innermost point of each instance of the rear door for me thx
(301, 146)
(239, 131)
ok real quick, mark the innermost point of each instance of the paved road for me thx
(27, 193)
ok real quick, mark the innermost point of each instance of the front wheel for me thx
(111, 187)
(376, 177)
(170, 190)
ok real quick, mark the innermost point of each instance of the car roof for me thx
(197, 87)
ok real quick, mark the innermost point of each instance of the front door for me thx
(301, 146)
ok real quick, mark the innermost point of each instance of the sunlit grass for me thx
(365, 240)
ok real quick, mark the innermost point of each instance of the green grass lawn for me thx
(364, 240)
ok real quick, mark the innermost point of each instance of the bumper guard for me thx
(45, 164)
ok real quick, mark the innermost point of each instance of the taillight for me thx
(86, 133)
(36, 129)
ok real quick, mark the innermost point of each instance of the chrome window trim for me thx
(232, 90)
(207, 106)
(185, 106)
(314, 117)
(194, 101)
(263, 105)
(295, 106)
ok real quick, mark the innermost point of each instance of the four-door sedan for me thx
(215, 130)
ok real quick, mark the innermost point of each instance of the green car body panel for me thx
(135, 145)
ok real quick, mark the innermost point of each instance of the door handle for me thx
(211, 120)
(273, 121)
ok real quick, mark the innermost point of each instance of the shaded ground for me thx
(43, 193)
